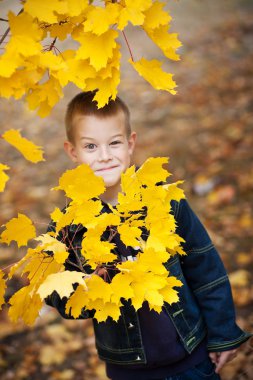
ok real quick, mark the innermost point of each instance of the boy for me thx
(188, 340)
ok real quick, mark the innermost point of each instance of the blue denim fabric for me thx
(205, 306)
(203, 371)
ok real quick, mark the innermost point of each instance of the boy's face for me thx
(103, 144)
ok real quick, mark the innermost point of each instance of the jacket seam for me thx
(204, 249)
(117, 350)
(217, 345)
(211, 284)
(120, 361)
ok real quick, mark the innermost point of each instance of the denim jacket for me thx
(205, 307)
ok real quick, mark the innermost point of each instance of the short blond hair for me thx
(83, 105)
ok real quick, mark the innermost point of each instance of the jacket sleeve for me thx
(206, 276)
(54, 299)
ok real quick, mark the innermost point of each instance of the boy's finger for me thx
(214, 357)
(224, 357)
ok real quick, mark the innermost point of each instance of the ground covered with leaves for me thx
(206, 130)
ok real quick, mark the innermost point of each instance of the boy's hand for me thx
(102, 272)
(221, 358)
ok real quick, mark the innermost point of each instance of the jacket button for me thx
(130, 326)
(138, 358)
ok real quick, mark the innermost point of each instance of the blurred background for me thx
(206, 130)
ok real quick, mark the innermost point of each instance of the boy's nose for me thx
(105, 154)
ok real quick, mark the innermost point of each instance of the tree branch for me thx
(7, 31)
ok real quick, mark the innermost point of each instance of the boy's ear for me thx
(70, 150)
(131, 142)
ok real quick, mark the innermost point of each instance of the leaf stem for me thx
(129, 49)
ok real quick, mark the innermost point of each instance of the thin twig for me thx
(128, 46)
(7, 31)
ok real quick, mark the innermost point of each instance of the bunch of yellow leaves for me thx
(34, 67)
(143, 220)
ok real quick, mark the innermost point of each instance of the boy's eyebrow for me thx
(91, 138)
(87, 138)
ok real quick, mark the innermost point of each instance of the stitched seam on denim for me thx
(204, 249)
(177, 209)
(185, 320)
(123, 350)
(197, 342)
(211, 284)
(142, 345)
(175, 325)
(172, 262)
(195, 328)
(120, 361)
(231, 342)
(124, 321)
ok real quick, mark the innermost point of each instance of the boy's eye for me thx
(115, 142)
(90, 146)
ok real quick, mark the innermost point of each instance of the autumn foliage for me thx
(32, 66)
(143, 220)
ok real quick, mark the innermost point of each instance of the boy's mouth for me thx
(105, 169)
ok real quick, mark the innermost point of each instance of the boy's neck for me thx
(110, 197)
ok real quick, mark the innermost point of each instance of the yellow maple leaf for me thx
(45, 96)
(153, 73)
(154, 298)
(152, 172)
(62, 219)
(47, 10)
(39, 266)
(85, 212)
(29, 150)
(167, 42)
(16, 266)
(3, 177)
(129, 235)
(97, 252)
(174, 192)
(81, 184)
(2, 288)
(61, 282)
(20, 229)
(129, 181)
(152, 260)
(100, 223)
(155, 197)
(50, 243)
(61, 31)
(100, 19)
(105, 310)
(106, 88)
(133, 11)
(19, 82)
(24, 25)
(98, 288)
(77, 301)
(24, 306)
(159, 239)
(98, 49)
(160, 216)
(121, 287)
(75, 70)
(56, 215)
(51, 62)
(156, 16)
(170, 295)
(77, 7)
(127, 204)
(9, 62)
